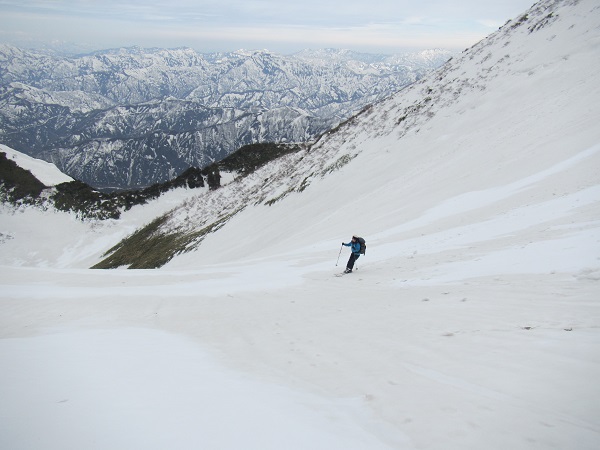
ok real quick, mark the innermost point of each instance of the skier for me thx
(354, 245)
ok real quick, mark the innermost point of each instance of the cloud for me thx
(491, 23)
(387, 25)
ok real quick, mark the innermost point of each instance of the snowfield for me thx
(472, 322)
(46, 172)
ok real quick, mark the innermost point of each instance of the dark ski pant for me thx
(351, 261)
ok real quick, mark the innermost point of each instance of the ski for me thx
(341, 274)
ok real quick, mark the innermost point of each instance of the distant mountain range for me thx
(133, 117)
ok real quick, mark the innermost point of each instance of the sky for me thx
(376, 26)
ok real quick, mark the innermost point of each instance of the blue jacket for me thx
(355, 247)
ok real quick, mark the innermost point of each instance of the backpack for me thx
(363, 246)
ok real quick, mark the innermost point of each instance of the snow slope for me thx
(472, 322)
(44, 171)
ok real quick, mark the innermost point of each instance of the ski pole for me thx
(338, 260)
